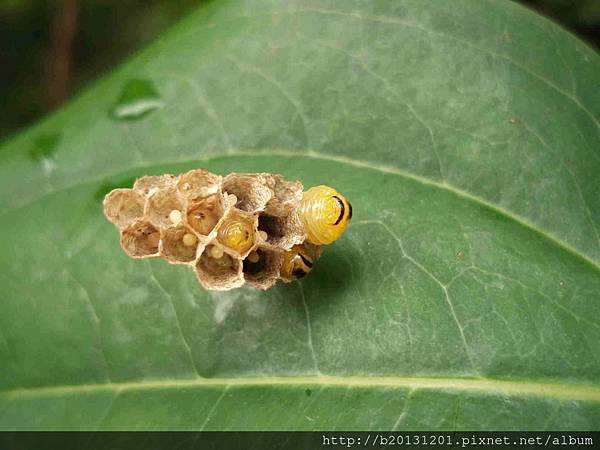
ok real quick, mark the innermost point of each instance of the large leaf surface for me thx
(465, 294)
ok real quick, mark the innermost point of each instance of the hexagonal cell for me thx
(219, 274)
(282, 232)
(123, 206)
(198, 183)
(204, 213)
(160, 205)
(178, 245)
(231, 230)
(149, 184)
(261, 267)
(287, 195)
(140, 239)
(250, 190)
(237, 232)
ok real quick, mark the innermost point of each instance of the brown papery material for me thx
(187, 219)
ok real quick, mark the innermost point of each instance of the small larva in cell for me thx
(204, 213)
(298, 261)
(236, 234)
(273, 233)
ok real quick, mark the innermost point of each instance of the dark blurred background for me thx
(51, 48)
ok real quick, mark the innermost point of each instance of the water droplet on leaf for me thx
(43, 150)
(139, 98)
(44, 146)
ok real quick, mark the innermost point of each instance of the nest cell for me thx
(149, 184)
(179, 244)
(237, 232)
(140, 239)
(123, 207)
(203, 213)
(198, 184)
(287, 195)
(219, 274)
(250, 190)
(160, 206)
(282, 232)
(261, 267)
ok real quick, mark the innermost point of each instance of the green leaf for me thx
(465, 294)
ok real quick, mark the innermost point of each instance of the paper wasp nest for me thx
(230, 230)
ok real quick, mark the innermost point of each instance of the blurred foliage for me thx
(579, 15)
(108, 30)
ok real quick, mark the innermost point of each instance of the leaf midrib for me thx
(585, 392)
(310, 154)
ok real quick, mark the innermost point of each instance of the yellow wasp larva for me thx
(325, 214)
(238, 235)
(298, 261)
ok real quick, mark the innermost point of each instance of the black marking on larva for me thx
(349, 210)
(305, 260)
(343, 210)
(299, 273)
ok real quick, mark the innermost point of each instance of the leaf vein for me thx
(589, 392)
(437, 281)
(169, 297)
(340, 159)
(309, 329)
(512, 60)
(214, 408)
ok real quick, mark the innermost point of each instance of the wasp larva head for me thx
(237, 234)
(298, 261)
(325, 214)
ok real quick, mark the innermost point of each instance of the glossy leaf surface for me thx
(465, 294)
